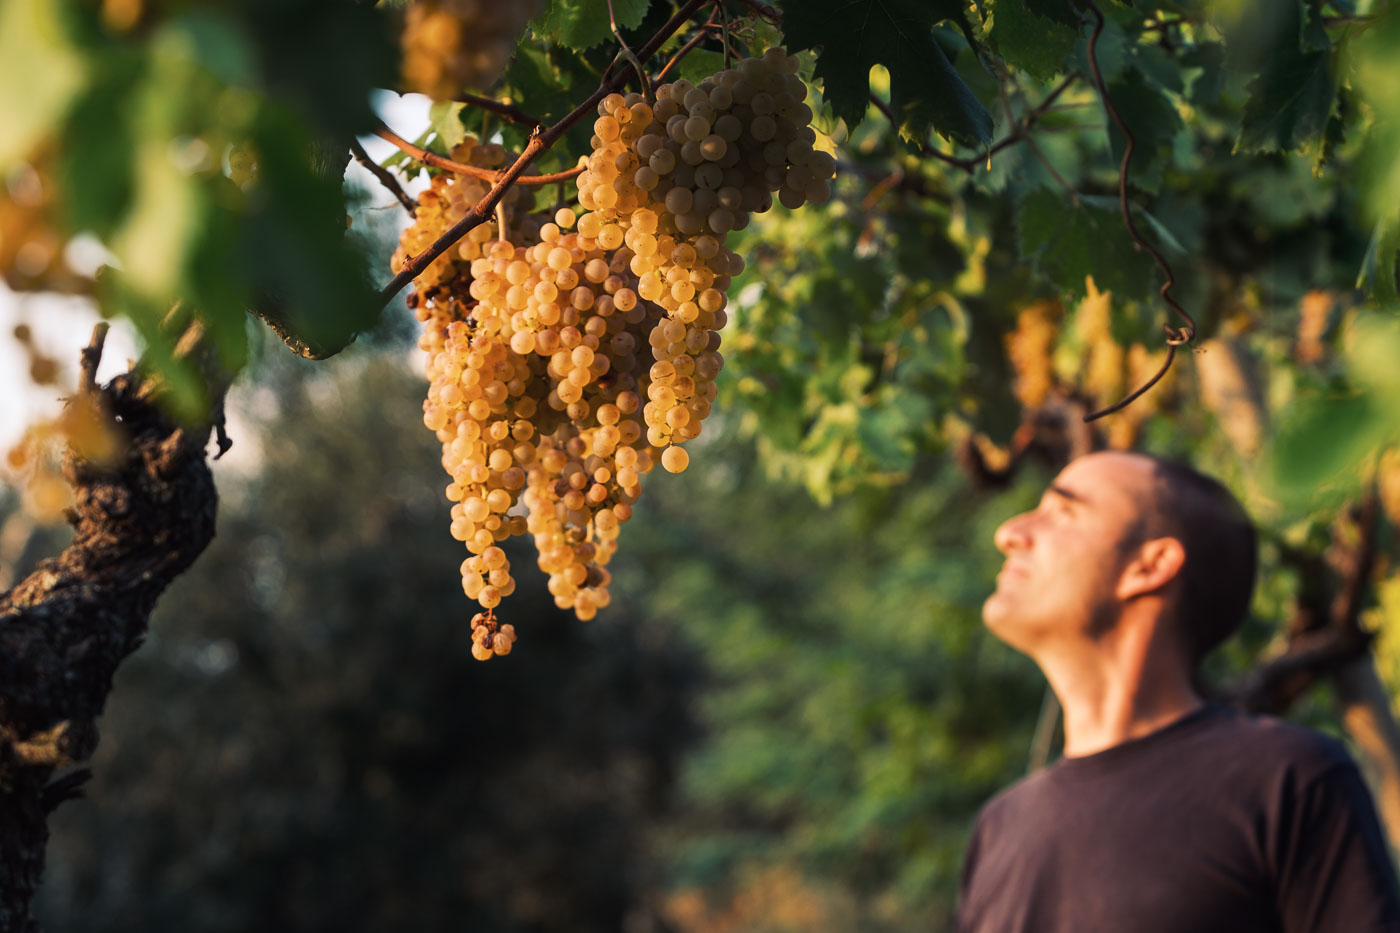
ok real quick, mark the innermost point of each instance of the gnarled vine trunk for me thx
(140, 521)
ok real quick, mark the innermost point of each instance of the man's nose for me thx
(1012, 534)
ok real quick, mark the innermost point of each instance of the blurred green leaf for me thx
(1069, 244)
(1153, 121)
(926, 92)
(96, 162)
(1289, 102)
(1294, 84)
(1372, 347)
(1039, 46)
(41, 71)
(1162, 236)
(1380, 269)
(1326, 439)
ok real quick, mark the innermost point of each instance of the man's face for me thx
(1064, 559)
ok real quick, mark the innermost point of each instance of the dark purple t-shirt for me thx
(1219, 823)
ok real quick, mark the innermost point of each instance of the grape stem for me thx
(1020, 133)
(723, 28)
(628, 54)
(511, 112)
(685, 50)
(539, 142)
(475, 171)
(385, 177)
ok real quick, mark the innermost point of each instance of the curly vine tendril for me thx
(1175, 336)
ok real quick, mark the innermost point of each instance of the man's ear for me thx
(1157, 563)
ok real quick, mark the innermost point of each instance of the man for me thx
(1166, 813)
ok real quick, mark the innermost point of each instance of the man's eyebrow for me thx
(1067, 494)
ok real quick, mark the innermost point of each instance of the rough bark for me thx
(140, 521)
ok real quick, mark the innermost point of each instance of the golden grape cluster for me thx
(569, 354)
(454, 45)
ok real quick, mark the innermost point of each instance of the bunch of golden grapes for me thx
(567, 355)
(670, 181)
(454, 45)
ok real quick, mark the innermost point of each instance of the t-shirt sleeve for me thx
(1334, 872)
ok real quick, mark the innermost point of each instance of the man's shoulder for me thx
(1025, 795)
(1273, 743)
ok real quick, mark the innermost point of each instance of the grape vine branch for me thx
(475, 171)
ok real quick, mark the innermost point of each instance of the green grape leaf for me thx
(1113, 51)
(1160, 234)
(1325, 434)
(582, 24)
(1055, 11)
(1160, 66)
(1029, 41)
(445, 117)
(1289, 102)
(292, 245)
(96, 158)
(1380, 269)
(408, 164)
(1070, 244)
(926, 92)
(698, 65)
(1284, 48)
(1206, 66)
(312, 77)
(544, 79)
(1322, 439)
(1153, 121)
(549, 81)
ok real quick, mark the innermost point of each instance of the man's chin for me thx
(993, 611)
(1000, 620)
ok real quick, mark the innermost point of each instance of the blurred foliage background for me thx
(790, 713)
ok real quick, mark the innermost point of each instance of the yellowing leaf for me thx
(40, 72)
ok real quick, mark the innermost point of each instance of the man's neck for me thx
(1111, 694)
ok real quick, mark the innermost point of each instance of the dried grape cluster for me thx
(453, 45)
(568, 355)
